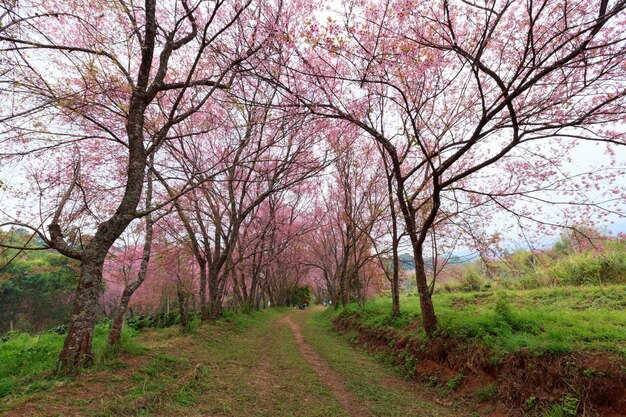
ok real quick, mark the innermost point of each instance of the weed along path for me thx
(274, 363)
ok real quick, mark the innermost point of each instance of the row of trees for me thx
(252, 146)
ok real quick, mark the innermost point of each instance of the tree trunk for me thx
(118, 320)
(204, 312)
(345, 299)
(426, 303)
(77, 350)
(395, 242)
(215, 308)
(236, 289)
(395, 282)
(183, 299)
(395, 294)
(417, 242)
(130, 287)
(253, 290)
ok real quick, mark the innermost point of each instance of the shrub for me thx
(589, 269)
(454, 382)
(159, 321)
(487, 393)
(472, 281)
(409, 365)
(515, 320)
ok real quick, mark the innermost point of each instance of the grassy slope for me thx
(558, 320)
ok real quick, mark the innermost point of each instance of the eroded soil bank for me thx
(523, 383)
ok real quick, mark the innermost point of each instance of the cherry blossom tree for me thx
(475, 104)
(269, 256)
(98, 88)
(342, 246)
(258, 148)
(438, 113)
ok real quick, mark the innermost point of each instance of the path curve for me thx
(330, 378)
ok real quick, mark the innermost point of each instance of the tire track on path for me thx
(327, 376)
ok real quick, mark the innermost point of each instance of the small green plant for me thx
(487, 393)
(570, 366)
(409, 366)
(570, 405)
(503, 309)
(61, 329)
(591, 372)
(432, 381)
(555, 410)
(531, 402)
(567, 408)
(454, 382)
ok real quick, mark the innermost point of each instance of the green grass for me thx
(547, 320)
(244, 365)
(250, 366)
(370, 381)
(28, 363)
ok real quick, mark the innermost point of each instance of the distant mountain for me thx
(407, 263)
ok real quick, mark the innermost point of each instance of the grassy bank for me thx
(545, 320)
(28, 363)
(542, 352)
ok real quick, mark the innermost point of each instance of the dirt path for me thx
(330, 378)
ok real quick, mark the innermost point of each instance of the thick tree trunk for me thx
(204, 312)
(215, 308)
(77, 351)
(345, 296)
(183, 305)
